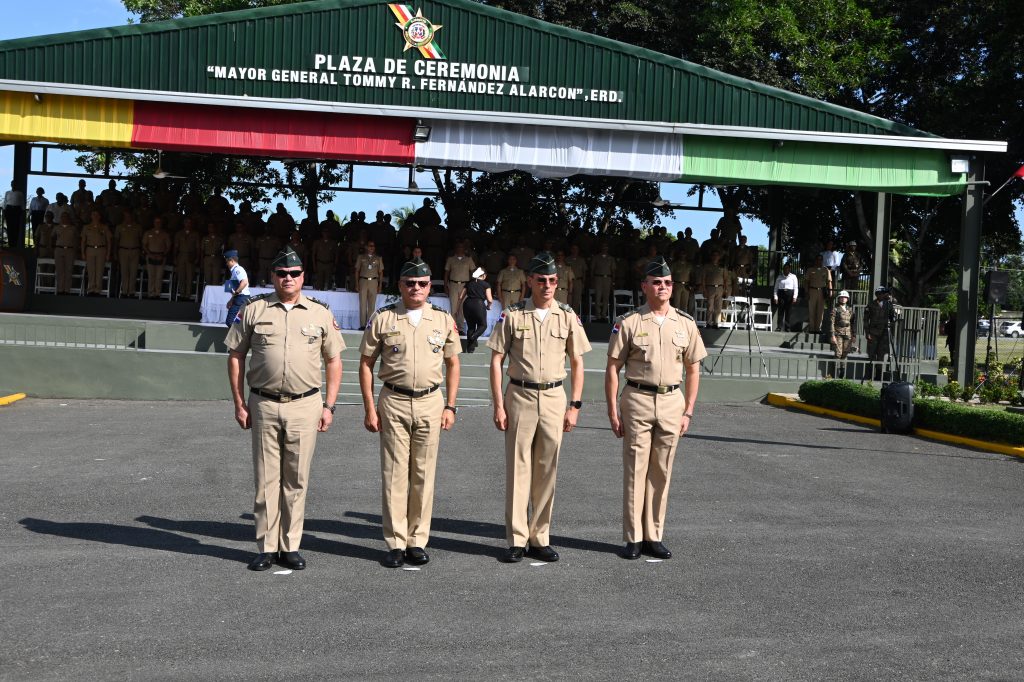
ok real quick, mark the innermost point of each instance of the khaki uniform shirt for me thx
(602, 265)
(156, 244)
(565, 276)
(286, 345)
(212, 245)
(186, 245)
(65, 235)
(96, 235)
(850, 265)
(511, 279)
(459, 269)
(411, 356)
(656, 354)
(267, 246)
(842, 321)
(128, 236)
(818, 278)
(682, 272)
(578, 265)
(368, 266)
(715, 274)
(325, 251)
(242, 243)
(537, 350)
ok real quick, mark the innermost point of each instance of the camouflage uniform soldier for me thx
(841, 326)
(877, 316)
(851, 266)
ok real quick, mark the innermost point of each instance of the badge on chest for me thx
(435, 340)
(312, 333)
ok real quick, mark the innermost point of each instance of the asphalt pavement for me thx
(805, 549)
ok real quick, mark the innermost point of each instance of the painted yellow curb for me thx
(8, 399)
(780, 400)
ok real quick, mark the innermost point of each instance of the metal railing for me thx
(796, 368)
(70, 336)
(915, 333)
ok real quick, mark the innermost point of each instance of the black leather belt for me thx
(535, 386)
(602, 275)
(819, 287)
(284, 397)
(459, 281)
(128, 248)
(64, 247)
(409, 392)
(90, 246)
(660, 390)
(367, 278)
(510, 291)
(715, 285)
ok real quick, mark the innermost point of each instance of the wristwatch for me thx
(454, 409)
(578, 404)
(332, 408)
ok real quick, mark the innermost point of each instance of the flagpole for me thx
(1018, 174)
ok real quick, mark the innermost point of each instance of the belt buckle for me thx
(285, 399)
(662, 390)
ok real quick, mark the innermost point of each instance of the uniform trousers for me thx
(785, 297)
(283, 441)
(410, 431)
(714, 303)
(577, 296)
(454, 291)
(562, 295)
(212, 269)
(602, 290)
(236, 305)
(652, 424)
(680, 297)
(878, 346)
(186, 271)
(324, 272)
(265, 269)
(64, 265)
(95, 264)
(475, 310)
(367, 299)
(14, 217)
(532, 442)
(154, 278)
(815, 307)
(128, 263)
(844, 344)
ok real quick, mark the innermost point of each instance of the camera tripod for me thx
(750, 330)
(988, 349)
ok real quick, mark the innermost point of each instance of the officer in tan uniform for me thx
(128, 238)
(536, 335)
(44, 236)
(369, 271)
(241, 241)
(819, 289)
(566, 278)
(741, 258)
(841, 327)
(579, 284)
(65, 246)
(96, 243)
(682, 277)
(458, 270)
(267, 246)
(656, 343)
(413, 339)
(602, 269)
(851, 266)
(325, 259)
(288, 335)
(511, 283)
(156, 245)
(714, 283)
(212, 248)
(186, 257)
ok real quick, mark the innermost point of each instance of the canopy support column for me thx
(880, 272)
(970, 263)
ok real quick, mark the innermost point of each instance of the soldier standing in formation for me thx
(878, 315)
(566, 278)
(851, 267)
(841, 326)
(656, 344)
(128, 238)
(44, 236)
(458, 270)
(267, 246)
(602, 268)
(536, 335)
(96, 246)
(325, 258)
(65, 245)
(819, 289)
(288, 335)
(511, 283)
(413, 339)
(369, 272)
(186, 256)
(156, 245)
(714, 282)
(682, 275)
(212, 248)
(579, 270)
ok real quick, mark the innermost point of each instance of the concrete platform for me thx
(805, 549)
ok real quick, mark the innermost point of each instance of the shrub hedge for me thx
(938, 415)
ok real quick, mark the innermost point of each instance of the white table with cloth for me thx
(344, 305)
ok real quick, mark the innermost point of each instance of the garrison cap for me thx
(415, 268)
(231, 253)
(542, 264)
(881, 290)
(657, 268)
(286, 258)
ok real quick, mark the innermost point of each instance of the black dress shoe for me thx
(416, 556)
(631, 551)
(544, 553)
(263, 561)
(292, 560)
(656, 550)
(394, 558)
(514, 555)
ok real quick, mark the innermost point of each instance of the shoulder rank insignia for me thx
(438, 308)
(389, 306)
(629, 314)
(317, 300)
(566, 307)
(682, 312)
(258, 297)
(521, 305)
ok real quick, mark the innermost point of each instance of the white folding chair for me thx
(167, 283)
(590, 301)
(622, 302)
(107, 277)
(700, 309)
(78, 278)
(761, 313)
(46, 276)
(731, 310)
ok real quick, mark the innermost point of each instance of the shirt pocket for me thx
(680, 342)
(395, 345)
(266, 333)
(313, 337)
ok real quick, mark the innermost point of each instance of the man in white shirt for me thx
(831, 258)
(14, 217)
(786, 286)
(37, 211)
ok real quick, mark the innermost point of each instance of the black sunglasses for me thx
(295, 274)
(415, 284)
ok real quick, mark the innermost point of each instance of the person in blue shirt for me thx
(237, 285)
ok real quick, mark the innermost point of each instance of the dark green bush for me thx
(937, 415)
